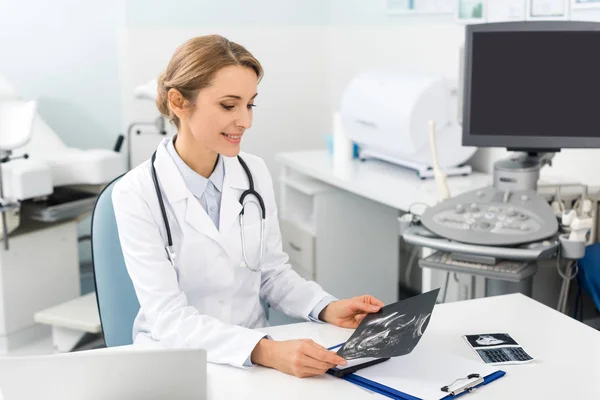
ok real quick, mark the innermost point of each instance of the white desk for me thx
(567, 353)
(385, 183)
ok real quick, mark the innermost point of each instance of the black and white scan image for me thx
(490, 340)
(393, 331)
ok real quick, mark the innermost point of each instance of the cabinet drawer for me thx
(299, 244)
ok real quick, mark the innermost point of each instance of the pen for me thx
(336, 346)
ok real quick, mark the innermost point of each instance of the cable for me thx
(564, 275)
(446, 287)
(571, 271)
(566, 285)
(411, 260)
(417, 203)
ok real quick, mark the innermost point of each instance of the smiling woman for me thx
(208, 92)
(180, 216)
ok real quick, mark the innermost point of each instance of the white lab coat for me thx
(210, 299)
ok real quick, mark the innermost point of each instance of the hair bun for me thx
(162, 100)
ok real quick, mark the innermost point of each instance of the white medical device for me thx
(146, 92)
(43, 197)
(16, 121)
(387, 113)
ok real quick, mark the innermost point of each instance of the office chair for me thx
(117, 302)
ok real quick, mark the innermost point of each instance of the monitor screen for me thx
(533, 89)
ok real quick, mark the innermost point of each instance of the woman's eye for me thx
(229, 108)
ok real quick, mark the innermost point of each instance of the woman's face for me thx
(223, 110)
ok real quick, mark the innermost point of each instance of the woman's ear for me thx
(177, 103)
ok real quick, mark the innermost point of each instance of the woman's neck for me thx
(196, 156)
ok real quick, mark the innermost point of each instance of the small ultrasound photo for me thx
(490, 340)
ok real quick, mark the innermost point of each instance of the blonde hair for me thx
(193, 66)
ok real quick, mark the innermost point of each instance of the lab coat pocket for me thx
(203, 267)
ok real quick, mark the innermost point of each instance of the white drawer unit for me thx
(346, 244)
(299, 244)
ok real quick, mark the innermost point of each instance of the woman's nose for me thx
(245, 119)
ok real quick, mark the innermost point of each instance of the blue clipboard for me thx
(396, 394)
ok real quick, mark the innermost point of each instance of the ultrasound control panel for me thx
(491, 217)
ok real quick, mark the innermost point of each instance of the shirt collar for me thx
(193, 180)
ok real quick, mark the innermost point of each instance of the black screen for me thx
(535, 84)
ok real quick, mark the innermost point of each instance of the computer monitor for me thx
(532, 86)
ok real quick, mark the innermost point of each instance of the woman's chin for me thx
(230, 151)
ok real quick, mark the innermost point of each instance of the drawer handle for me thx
(294, 247)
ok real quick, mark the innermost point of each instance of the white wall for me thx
(291, 106)
(287, 37)
(63, 53)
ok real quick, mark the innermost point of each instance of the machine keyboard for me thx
(511, 270)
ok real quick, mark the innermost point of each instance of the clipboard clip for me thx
(467, 387)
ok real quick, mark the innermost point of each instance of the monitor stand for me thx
(520, 171)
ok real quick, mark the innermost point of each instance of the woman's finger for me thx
(318, 364)
(377, 302)
(372, 300)
(364, 307)
(317, 352)
(309, 371)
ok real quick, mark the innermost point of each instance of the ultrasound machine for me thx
(534, 89)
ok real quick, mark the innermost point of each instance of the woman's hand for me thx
(301, 358)
(349, 313)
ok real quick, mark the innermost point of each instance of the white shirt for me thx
(207, 191)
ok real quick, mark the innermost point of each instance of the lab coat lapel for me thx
(182, 200)
(197, 217)
(233, 186)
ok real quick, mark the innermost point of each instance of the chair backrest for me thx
(117, 302)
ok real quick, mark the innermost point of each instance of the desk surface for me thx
(567, 355)
(386, 183)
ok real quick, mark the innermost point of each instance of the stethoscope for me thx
(260, 203)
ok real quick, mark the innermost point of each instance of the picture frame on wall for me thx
(548, 10)
(399, 6)
(471, 11)
(585, 4)
(506, 10)
(407, 7)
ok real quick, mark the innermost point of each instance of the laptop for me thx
(112, 373)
